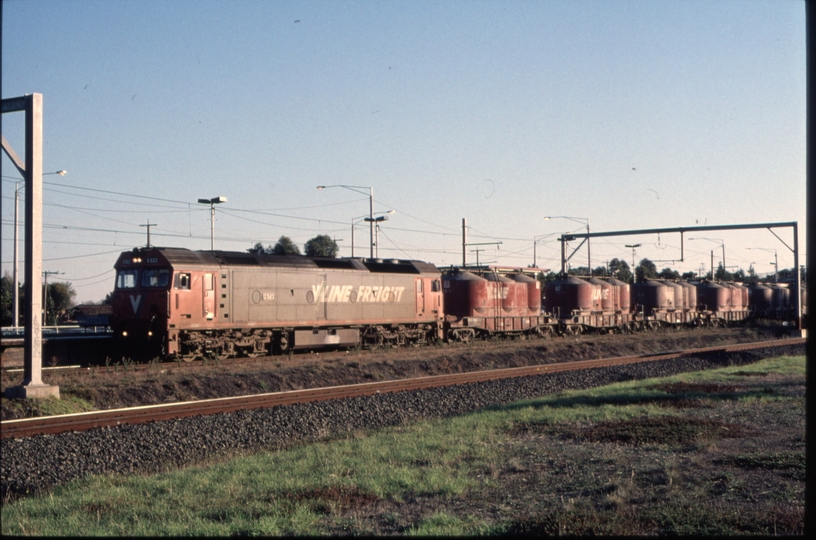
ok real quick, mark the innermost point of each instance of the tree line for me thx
(320, 246)
(59, 298)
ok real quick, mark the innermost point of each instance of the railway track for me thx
(153, 413)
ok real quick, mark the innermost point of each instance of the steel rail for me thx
(151, 413)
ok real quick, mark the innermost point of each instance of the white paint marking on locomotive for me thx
(319, 292)
(135, 303)
(365, 293)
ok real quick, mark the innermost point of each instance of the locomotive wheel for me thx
(223, 352)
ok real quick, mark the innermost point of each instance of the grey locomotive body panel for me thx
(264, 297)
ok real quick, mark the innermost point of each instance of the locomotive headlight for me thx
(124, 333)
(149, 333)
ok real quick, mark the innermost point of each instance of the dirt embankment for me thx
(116, 387)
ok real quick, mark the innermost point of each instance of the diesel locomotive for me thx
(186, 304)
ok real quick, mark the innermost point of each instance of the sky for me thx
(621, 113)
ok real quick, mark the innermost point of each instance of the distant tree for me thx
(578, 271)
(668, 273)
(6, 300)
(688, 276)
(259, 249)
(108, 301)
(739, 275)
(285, 246)
(59, 299)
(600, 271)
(620, 269)
(646, 269)
(321, 246)
(546, 278)
(722, 274)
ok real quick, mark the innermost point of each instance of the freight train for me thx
(182, 304)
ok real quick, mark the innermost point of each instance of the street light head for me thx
(62, 172)
(321, 188)
(391, 212)
(214, 200)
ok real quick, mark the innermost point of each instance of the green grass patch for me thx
(631, 399)
(323, 488)
(51, 406)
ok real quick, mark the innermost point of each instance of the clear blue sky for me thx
(633, 114)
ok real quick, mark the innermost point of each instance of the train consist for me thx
(612, 305)
(183, 304)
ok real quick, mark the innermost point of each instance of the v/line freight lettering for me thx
(364, 293)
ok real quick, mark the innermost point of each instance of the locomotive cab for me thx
(140, 302)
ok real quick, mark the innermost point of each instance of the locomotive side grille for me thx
(391, 268)
(241, 261)
(334, 263)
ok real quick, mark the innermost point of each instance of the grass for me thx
(409, 479)
(52, 406)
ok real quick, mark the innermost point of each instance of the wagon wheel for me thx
(545, 331)
(464, 335)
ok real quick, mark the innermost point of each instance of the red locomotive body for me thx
(190, 304)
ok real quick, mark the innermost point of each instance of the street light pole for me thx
(16, 309)
(212, 202)
(370, 209)
(45, 296)
(722, 243)
(16, 305)
(775, 263)
(633, 246)
(535, 244)
(372, 219)
(576, 219)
